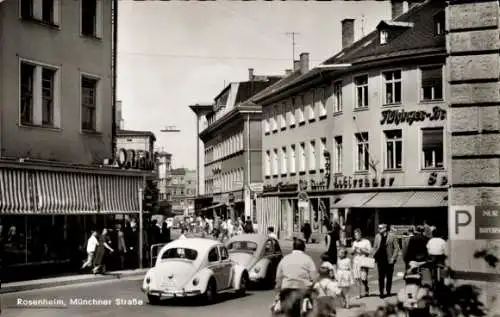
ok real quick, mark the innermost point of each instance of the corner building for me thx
(56, 119)
(361, 137)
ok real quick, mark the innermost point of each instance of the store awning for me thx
(15, 192)
(352, 200)
(213, 207)
(427, 199)
(388, 200)
(118, 194)
(65, 193)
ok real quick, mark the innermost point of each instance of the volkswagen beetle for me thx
(193, 267)
(259, 254)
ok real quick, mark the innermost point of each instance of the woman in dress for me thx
(361, 248)
(333, 238)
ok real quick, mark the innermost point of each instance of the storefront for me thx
(225, 205)
(47, 212)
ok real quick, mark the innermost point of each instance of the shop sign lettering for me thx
(131, 159)
(401, 116)
(362, 182)
(435, 179)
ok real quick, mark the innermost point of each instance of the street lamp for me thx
(170, 128)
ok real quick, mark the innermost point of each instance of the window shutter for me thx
(432, 138)
(99, 18)
(57, 12)
(432, 77)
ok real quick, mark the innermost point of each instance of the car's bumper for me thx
(171, 294)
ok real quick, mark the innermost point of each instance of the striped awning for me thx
(119, 194)
(65, 193)
(15, 189)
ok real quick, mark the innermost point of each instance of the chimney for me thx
(250, 74)
(347, 32)
(296, 65)
(288, 72)
(304, 63)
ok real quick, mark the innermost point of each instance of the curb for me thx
(73, 280)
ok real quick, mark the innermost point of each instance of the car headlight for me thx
(148, 280)
(256, 269)
(196, 281)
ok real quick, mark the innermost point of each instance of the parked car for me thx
(194, 267)
(259, 254)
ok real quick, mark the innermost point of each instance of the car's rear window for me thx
(247, 246)
(180, 253)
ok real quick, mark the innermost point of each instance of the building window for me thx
(300, 109)
(439, 20)
(338, 154)
(302, 157)
(46, 11)
(283, 161)
(312, 155)
(432, 83)
(322, 102)
(275, 162)
(38, 94)
(432, 148)
(384, 37)
(322, 161)
(291, 115)
(394, 149)
(266, 127)
(292, 158)
(337, 92)
(361, 83)
(91, 18)
(311, 115)
(282, 117)
(274, 122)
(363, 155)
(89, 103)
(392, 87)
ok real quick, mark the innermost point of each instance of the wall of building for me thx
(73, 54)
(136, 143)
(202, 122)
(255, 150)
(350, 121)
(474, 128)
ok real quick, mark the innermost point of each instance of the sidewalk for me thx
(288, 244)
(67, 280)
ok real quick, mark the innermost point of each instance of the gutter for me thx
(114, 48)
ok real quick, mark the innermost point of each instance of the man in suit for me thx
(385, 253)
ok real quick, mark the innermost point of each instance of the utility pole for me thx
(292, 34)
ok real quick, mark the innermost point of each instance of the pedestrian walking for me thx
(404, 245)
(417, 246)
(271, 234)
(121, 247)
(327, 288)
(102, 253)
(385, 251)
(325, 263)
(344, 276)
(92, 244)
(333, 242)
(248, 225)
(361, 262)
(306, 231)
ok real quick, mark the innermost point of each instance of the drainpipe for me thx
(248, 166)
(114, 76)
(197, 155)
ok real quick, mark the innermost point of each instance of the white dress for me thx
(365, 246)
(344, 273)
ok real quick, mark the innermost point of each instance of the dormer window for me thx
(439, 27)
(383, 37)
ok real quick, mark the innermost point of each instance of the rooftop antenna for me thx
(292, 34)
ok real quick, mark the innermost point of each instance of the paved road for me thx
(256, 303)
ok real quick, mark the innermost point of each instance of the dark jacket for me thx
(391, 248)
(417, 249)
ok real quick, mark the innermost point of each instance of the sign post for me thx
(141, 227)
(474, 222)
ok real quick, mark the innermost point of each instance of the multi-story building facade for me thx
(56, 109)
(164, 165)
(182, 189)
(232, 147)
(361, 137)
(135, 140)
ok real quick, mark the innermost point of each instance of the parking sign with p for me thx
(462, 222)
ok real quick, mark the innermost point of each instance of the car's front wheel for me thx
(153, 299)
(243, 285)
(211, 292)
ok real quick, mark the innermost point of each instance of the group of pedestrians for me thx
(116, 248)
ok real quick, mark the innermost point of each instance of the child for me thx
(325, 262)
(344, 275)
(326, 286)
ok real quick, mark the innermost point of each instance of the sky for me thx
(172, 54)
